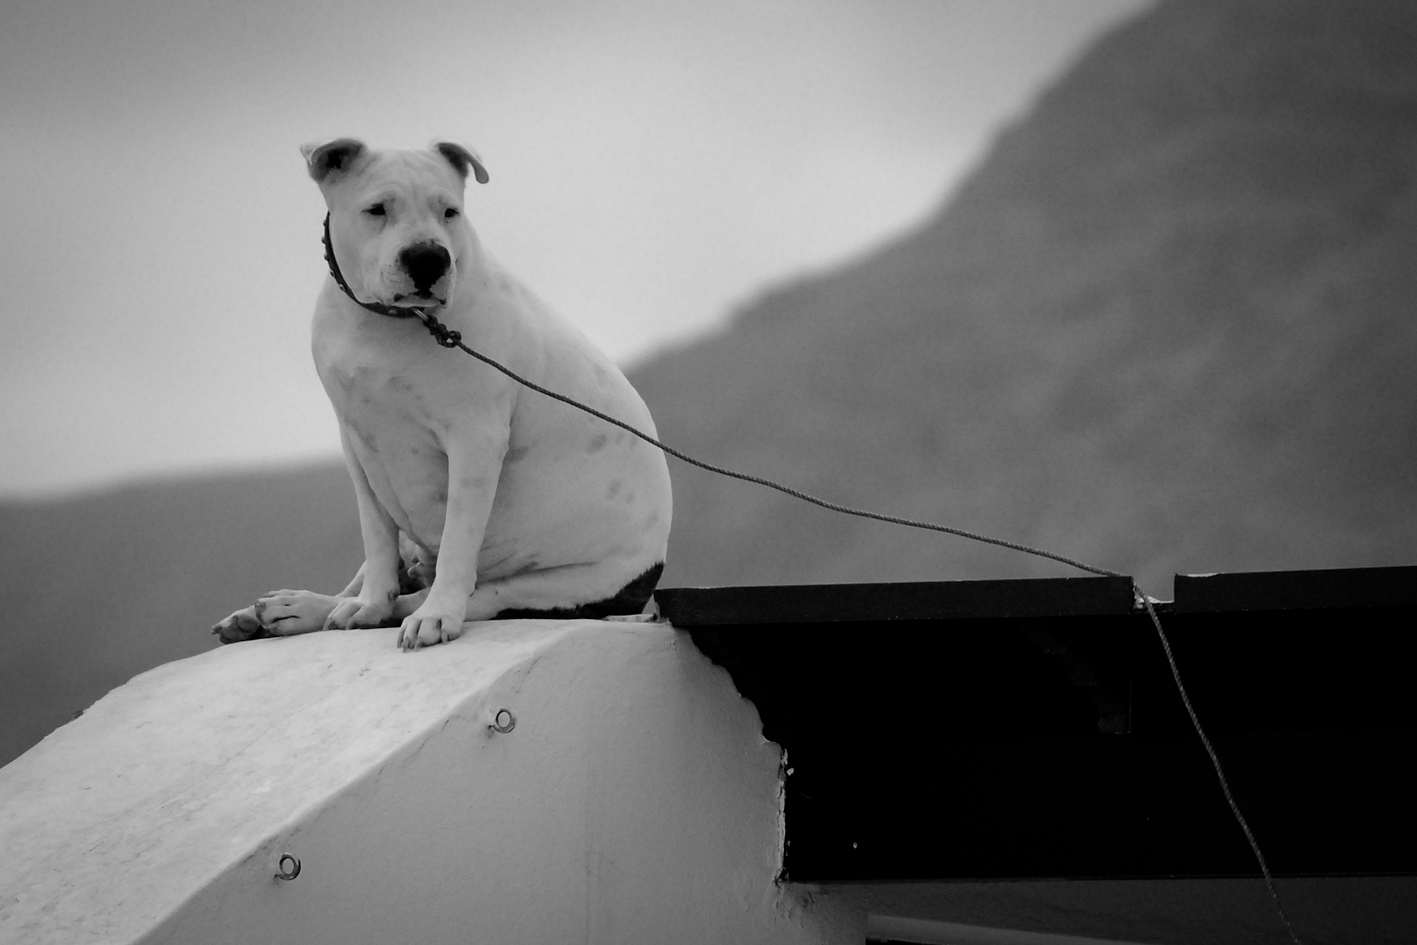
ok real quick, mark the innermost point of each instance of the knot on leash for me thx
(444, 335)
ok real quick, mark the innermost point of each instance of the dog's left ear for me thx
(461, 159)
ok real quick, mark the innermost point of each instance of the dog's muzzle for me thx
(379, 308)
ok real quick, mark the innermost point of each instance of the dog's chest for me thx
(395, 420)
(376, 401)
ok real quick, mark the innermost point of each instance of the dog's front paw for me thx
(354, 613)
(429, 625)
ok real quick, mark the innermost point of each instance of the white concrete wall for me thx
(635, 801)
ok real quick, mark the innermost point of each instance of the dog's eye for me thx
(377, 210)
(450, 213)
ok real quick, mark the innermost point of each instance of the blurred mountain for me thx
(1169, 324)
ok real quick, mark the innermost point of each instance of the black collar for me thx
(378, 308)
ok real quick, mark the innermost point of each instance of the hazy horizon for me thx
(654, 166)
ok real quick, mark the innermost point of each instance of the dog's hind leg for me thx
(280, 613)
(288, 612)
(242, 625)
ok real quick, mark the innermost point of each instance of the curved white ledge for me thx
(635, 799)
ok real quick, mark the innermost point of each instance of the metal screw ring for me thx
(503, 720)
(288, 872)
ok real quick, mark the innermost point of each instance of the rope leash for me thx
(453, 339)
(1215, 763)
(450, 338)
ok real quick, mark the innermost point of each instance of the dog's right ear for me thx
(462, 158)
(332, 157)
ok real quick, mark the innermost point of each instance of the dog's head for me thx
(396, 217)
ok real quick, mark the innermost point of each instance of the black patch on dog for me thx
(629, 600)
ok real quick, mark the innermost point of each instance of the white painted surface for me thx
(635, 801)
(930, 932)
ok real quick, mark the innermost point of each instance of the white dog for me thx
(507, 502)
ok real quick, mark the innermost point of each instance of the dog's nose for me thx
(425, 264)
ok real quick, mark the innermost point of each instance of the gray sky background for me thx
(654, 165)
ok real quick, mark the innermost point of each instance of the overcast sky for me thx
(654, 165)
